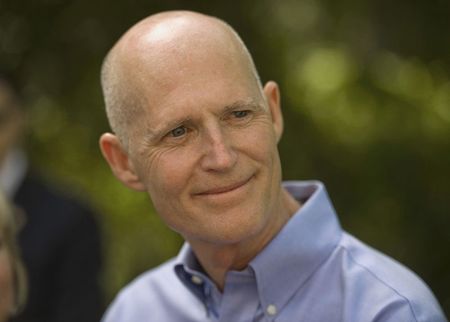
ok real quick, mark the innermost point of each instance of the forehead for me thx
(195, 81)
(156, 69)
(191, 95)
(186, 67)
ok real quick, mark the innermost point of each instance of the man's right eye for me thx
(179, 131)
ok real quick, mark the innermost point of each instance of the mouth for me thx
(224, 189)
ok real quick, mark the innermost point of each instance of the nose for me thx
(219, 154)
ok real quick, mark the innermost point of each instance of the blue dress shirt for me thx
(312, 271)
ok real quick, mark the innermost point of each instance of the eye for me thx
(241, 114)
(179, 131)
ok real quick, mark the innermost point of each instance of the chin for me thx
(232, 231)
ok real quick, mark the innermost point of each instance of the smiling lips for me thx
(225, 189)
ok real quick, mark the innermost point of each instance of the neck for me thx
(218, 259)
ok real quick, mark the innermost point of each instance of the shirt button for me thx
(271, 309)
(196, 280)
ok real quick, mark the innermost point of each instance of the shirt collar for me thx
(284, 265)
(302, 245)
(192, 275)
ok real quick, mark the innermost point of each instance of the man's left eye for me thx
(179, 131)
(240, 114)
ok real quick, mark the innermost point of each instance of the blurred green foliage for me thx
(366, 98)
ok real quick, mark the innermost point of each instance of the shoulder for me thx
(151, 294)
(149, 282)
(387, 282)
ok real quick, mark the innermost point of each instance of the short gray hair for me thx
(120, 103)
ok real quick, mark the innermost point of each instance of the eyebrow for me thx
(162, 128)
(165, 127)
(242, 104)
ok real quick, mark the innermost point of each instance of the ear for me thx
(119, 162)
(272, 94)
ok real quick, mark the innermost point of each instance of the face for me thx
(205, 145)
(206, 152)
(6, 282)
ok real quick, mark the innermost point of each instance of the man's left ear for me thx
(272, 93)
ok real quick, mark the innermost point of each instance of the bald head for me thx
(161, 49)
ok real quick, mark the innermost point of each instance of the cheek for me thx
(261, 144)
(169, 173)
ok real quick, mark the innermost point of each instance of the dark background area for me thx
(366, 99)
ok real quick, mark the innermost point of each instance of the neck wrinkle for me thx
(217, 260)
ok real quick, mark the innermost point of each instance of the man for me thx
(59, 240)
(194, 128)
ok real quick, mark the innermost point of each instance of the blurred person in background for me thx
(60, 240)
(13, 287)
(195, 129)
